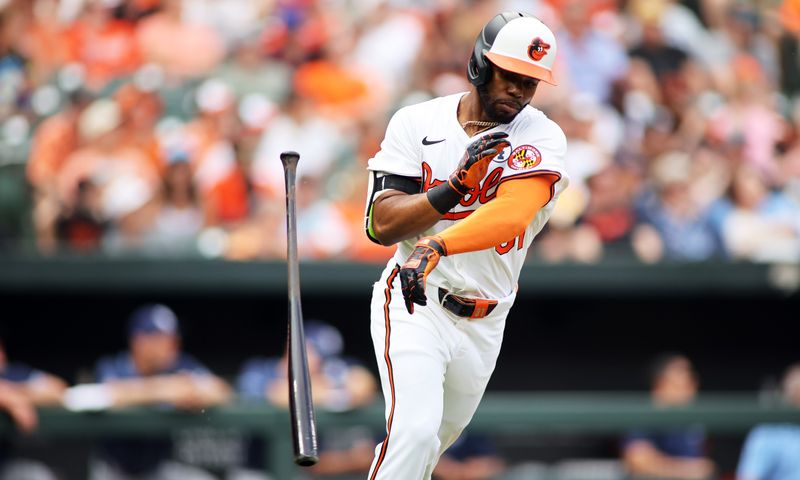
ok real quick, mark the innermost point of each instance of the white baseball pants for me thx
(434, 367)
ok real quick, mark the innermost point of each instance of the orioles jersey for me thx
(425, 142)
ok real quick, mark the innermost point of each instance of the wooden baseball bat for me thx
(304, 430)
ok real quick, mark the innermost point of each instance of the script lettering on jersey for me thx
(486, 192)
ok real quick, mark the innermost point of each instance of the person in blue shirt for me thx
(153, 372)
(772, 451)
(22, 389)
(339, 383)
(677, 453)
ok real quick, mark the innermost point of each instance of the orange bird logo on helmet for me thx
(538, 49)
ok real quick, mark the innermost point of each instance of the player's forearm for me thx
(685, 469)
(502, 219)
(490, 225)
(361, 387)
(130, 393)
(11, 395)
(48, 390)
(180, 390)
(212, 391)
(647, 461)
(397, 216)
(18, 406)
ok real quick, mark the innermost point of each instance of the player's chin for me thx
(505, 112)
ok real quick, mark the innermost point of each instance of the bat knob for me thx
(290, 158)
(306, 460)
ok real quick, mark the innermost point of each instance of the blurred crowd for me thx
(154, 127)
(156, 372)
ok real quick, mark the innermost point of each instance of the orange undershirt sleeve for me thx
(502, 219)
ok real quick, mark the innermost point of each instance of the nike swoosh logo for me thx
(425, 141)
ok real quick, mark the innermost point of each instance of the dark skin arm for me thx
(397, 216)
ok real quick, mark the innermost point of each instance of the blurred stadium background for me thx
(139, 145)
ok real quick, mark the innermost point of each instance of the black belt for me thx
(466, 307)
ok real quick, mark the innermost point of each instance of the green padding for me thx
(370, 231)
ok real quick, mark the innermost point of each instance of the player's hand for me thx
(475, 161)
(419, 264)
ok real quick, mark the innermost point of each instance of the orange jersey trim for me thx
(505, 217)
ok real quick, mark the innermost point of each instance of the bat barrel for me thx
(301, 409)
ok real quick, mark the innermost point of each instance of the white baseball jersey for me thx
(426, 142)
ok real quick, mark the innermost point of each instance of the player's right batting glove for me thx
(413, 274)
(470, 171)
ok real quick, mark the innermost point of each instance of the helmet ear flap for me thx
(479, 70)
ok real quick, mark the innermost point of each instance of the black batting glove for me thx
(414, 272)
(476, 159)
(470, 171)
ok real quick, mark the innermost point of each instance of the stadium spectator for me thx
(677, 453)
(140, 109)
(757, 224)
(105, 47)
(339, 383)
(320, 141)
(179, 212)
(154, 372)
(609, 211)
(248, 71)
(789, 15)
(56, 138)
(389, 25)
(81, 227)
(318, 79)
(22, 389)
(231, 19)
(674, 225)
(770, 451)
(13, 70)
(42, 40)
(594, 61)
(665, 60)
(749, 117)
(184, 49)
(322, 230)
(210, 145)
(104, 157)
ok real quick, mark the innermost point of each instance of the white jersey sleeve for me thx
(400, 151)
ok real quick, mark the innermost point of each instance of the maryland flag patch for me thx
(524, 157)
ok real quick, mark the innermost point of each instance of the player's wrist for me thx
(434, 242)
(444, 197)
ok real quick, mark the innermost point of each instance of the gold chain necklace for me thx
(479, 123)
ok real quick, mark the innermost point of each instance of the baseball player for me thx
(461, 184)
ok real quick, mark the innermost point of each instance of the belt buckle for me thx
(458, 305)
(443, 299)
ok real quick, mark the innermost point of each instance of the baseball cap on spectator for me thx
(125, 194)
(153, 319)
(324, 338)
(100, 117)
(671, 168)
(648, 12)
(214, 96)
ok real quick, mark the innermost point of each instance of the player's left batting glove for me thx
(419, 264)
